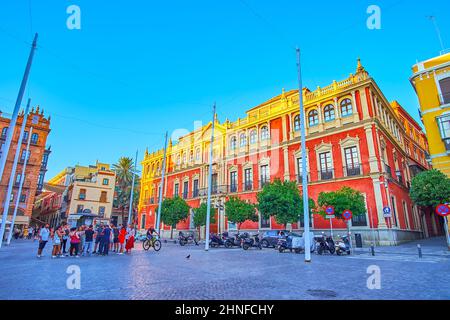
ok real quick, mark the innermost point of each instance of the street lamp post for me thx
(208, 204)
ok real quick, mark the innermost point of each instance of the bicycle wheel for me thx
(146, 245)
(157, 245)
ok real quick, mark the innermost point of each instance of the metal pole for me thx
(208, 205)
(22, 180)
(130, 207)
(304, 169)
(158, 218)
(331, 227)
(349, 236)
(13, 174)
(446, 232)
(13, 122)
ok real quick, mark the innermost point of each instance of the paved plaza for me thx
(227, 274)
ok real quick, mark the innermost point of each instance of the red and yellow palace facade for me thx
(355, 138)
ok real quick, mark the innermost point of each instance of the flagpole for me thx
(13, 174)
(22, 180)
(208, 205)
(158, 218)
(304, 169)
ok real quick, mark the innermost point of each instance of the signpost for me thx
(330, 215)
(347, 215)
(444, 211)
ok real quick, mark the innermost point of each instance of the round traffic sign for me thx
(329, 210)
(387, 210)
(347, 214)
(443, 210)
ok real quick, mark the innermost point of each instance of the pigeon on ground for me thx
(188, 256)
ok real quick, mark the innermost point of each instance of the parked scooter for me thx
(187, 238)
(343, 246)
(216, 240)
(325, 243)
(251, 242)
(231, 242)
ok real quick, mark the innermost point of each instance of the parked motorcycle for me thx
(251, 242)
(343, 245)
(187, 238)
(216, 240)
(231, 242)
(325, 243)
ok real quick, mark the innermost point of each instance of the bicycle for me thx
(153, 242)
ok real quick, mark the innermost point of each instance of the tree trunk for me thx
(171, 232)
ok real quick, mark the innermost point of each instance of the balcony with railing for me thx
(326, 174)
(247, 186)
(354, 170)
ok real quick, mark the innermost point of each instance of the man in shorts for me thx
(44, 235)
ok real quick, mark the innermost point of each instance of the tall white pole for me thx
(161, 190)
(446, 232)
(208, 205)
(13, 174)
(130, 207)
(22, 180)
(304, 169)
(13, 122)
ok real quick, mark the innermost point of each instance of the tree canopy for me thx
(239, 211)
(343, 199)
(174, 210)
(282, 200)
(430, 188)
(200, 215)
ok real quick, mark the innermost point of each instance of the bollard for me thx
(372, 249)
(419, 248)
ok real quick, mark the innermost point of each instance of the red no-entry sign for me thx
(329, 210)
(347, 214)
(443, 210)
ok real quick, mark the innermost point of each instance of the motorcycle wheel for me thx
(265, 243)
(297, 251)
(146, 245)
(228, 245)
(320, 250)
(245, 246)
(280, 249)
(157, 245)
(182, 243)
(338, 252)
(332, 250)
(260, 246)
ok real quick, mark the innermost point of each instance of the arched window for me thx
(346, 108)
(233, 143)
(243, 140)
(34, 138)
(297, 123)
(313, 118)
(328, 113)
(264, 133)
(253, 137)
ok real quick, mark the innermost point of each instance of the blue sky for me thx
(138, 68)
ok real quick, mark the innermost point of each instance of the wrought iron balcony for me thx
(326, 174)
(352, 171)
(248, 186)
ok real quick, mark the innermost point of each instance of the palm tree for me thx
(124, 170)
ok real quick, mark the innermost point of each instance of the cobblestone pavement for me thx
(227, 274)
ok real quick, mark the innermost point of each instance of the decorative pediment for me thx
(232, 168)
(298, 153)
(247, 165)
(323, 147)
(264, 161)
(349, 141)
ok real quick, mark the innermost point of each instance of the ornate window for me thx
(233, 143)
(346, 108)
(328, 113)
(34, 138)
(253, 137)
(297, 123)
(264, 133)
(243, 140)
(313, 118)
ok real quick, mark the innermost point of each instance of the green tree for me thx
(430, 188)
(200, 216)
(124, 170)
(173, 210)
(239, 211)
(282, 200)
(343, 199)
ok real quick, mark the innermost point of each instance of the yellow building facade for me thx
(431, 80)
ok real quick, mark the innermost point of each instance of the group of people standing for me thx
(85, 240)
